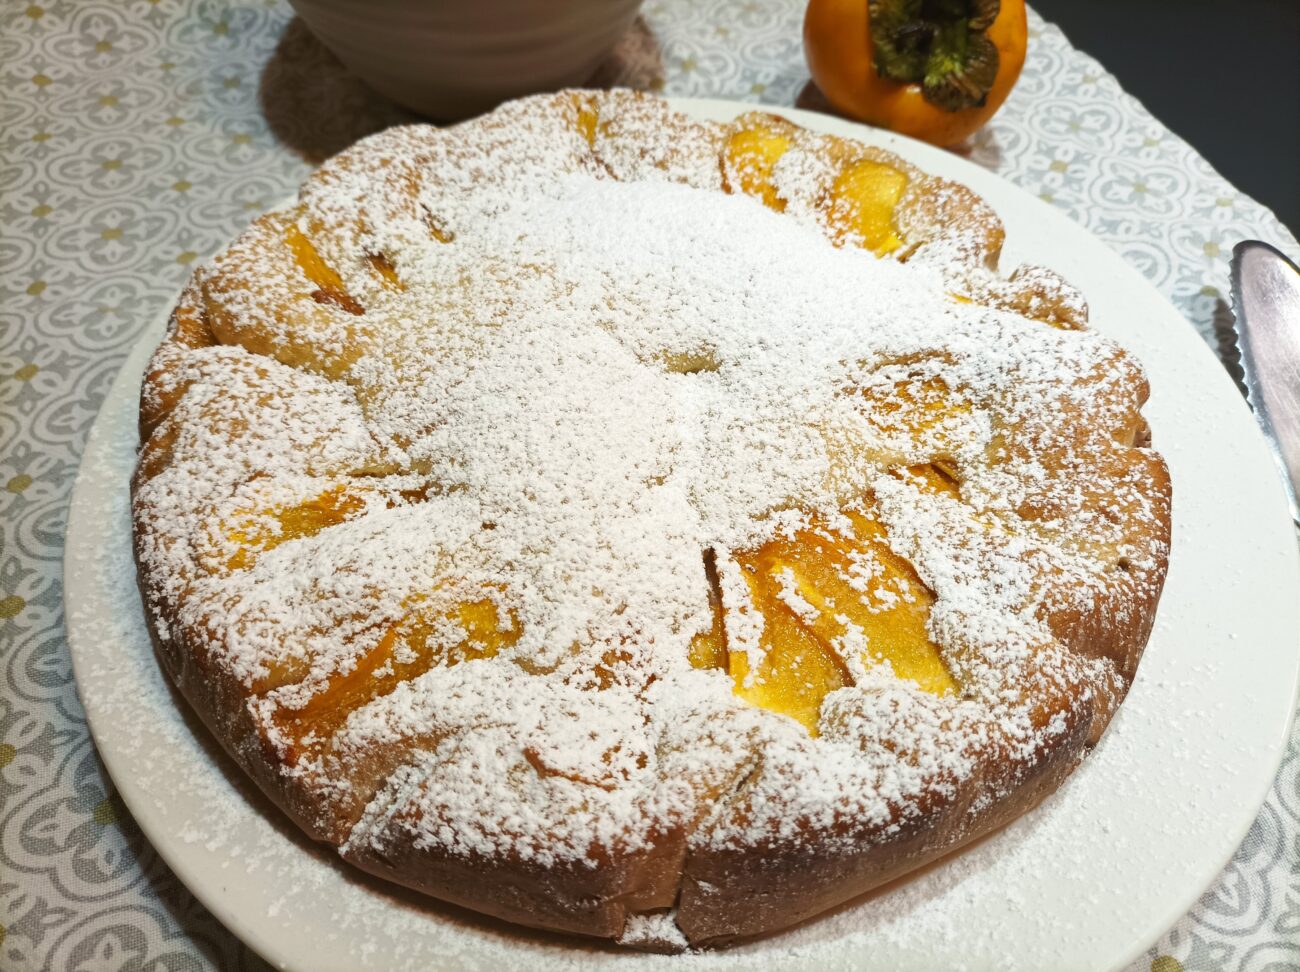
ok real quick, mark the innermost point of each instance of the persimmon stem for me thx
(938, 44)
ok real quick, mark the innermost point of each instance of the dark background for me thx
(1222, 74)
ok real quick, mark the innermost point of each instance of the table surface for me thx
(137, 138)
(1253, 141)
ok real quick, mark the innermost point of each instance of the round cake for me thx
(640, 527)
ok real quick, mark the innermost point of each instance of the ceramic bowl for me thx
(450, 59)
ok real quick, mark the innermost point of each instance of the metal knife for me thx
(1266, 304)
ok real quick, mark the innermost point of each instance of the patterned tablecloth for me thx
(138, 137)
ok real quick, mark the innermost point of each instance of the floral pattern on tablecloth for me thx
(138, 137)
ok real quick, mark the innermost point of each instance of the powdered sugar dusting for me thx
(593, 367)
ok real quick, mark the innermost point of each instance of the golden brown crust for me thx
(720, 889)
(744, 892)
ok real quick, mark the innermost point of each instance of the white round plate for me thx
(1088, 880)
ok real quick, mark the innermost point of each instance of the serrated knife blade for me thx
(1266, 305)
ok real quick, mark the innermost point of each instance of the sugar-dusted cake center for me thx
(665, 410)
